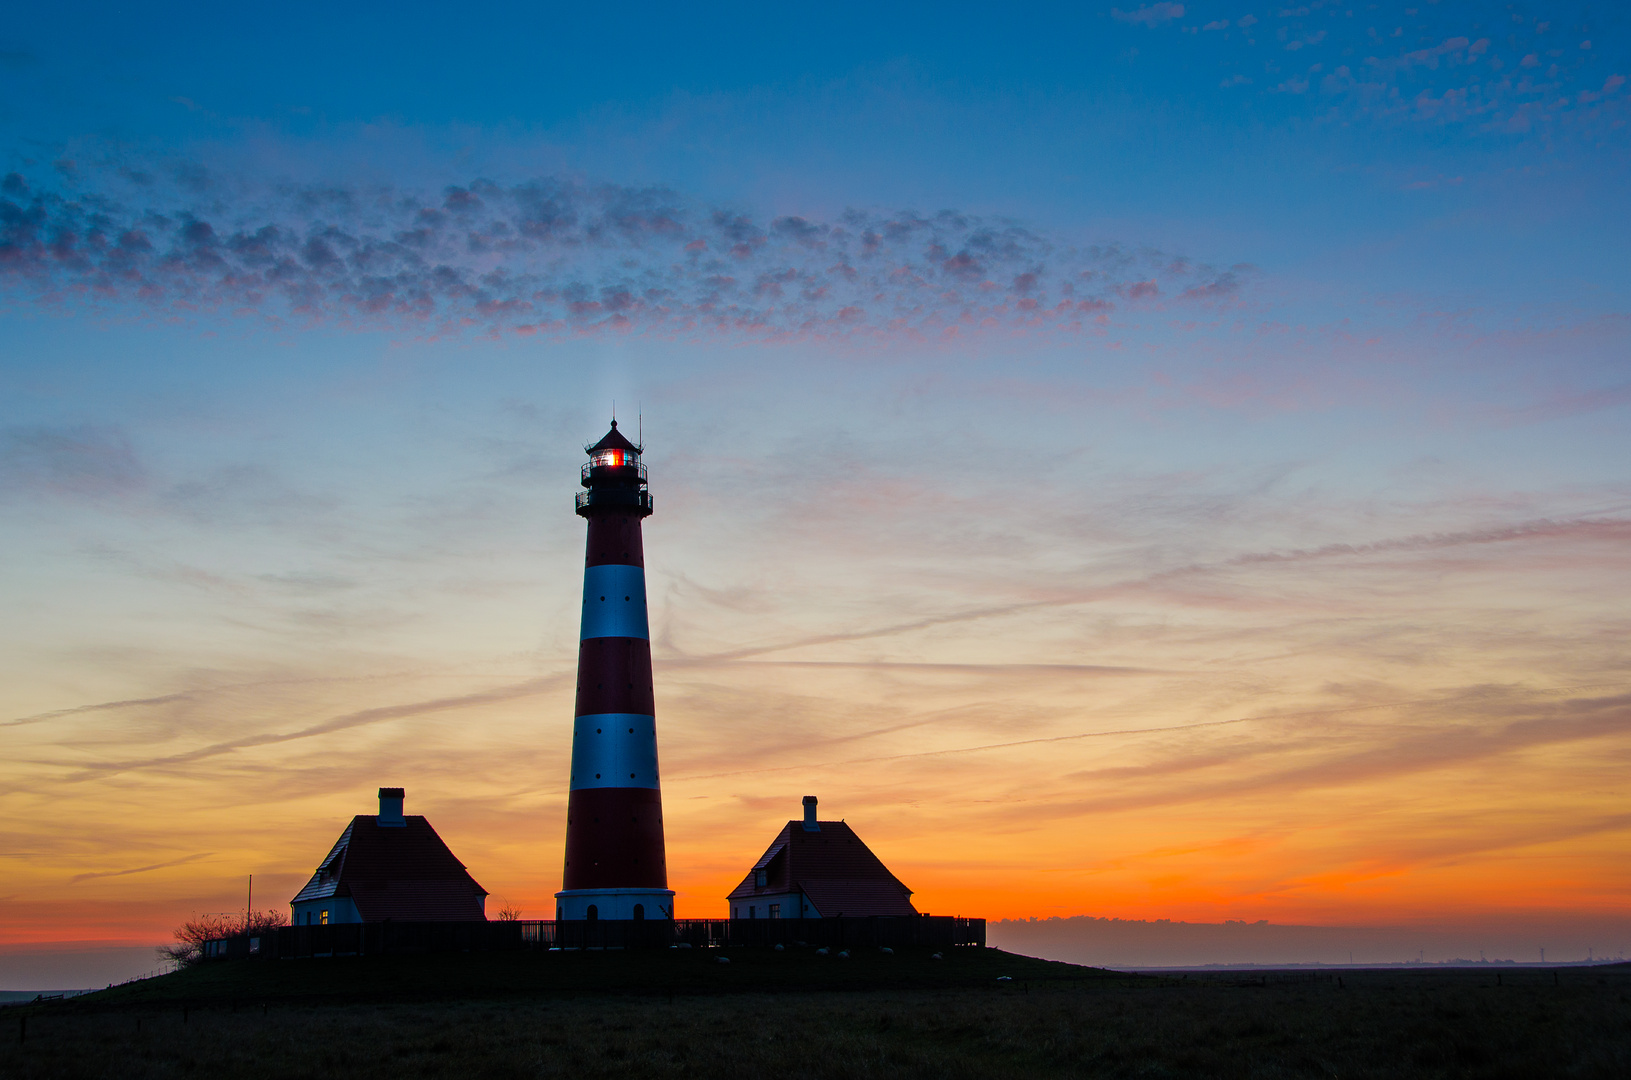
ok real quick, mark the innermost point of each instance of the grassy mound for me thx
(664, 972)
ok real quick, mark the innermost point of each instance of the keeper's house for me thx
(819, 870)
(389, 866)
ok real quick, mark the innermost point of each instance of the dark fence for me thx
(372, 939)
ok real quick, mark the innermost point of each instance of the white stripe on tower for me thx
(614, 602)
(614, 750)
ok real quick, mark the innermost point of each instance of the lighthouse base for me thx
(574, 904)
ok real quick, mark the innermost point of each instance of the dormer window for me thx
(761, 878)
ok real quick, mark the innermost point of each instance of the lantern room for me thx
(615, 476)
(614, 459)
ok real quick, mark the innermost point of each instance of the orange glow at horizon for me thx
(1035, 809)
(1427, 727)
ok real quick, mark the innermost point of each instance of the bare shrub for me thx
(509, 913)
(191, 935)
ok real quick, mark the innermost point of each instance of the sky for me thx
(1165, 461)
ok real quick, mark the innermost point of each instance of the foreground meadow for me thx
(800, 1016)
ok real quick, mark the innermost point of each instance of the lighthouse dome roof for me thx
(614, 440)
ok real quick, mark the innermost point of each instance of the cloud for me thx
(874, 759)
(547, 256)
(1150, 15)
(1609, 530)
(1225, 284)
(128, 703)
(1575, 404)
(77, 878)
(1442, 71)
(345, 722)
(85, 460)
(1430, 57)
(1610, 84)
(1469, 726)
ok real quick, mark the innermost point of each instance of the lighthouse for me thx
(615, 865)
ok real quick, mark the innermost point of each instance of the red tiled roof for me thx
(404, 873)
(833, 867)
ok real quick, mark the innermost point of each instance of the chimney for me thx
(390, 808)
(810, 822)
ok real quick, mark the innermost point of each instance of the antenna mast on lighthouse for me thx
(615, 863)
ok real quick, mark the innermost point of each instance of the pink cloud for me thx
(1150, 15)
(553, 257)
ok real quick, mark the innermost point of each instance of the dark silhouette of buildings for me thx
(389, 867)
(819, 870)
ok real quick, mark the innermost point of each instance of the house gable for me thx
(830, 867)
(404, 873)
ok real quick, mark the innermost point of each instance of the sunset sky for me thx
(1163, 461)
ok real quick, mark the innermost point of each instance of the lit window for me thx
(323, 918)
(775, 911)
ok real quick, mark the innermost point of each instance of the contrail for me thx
(77, 878)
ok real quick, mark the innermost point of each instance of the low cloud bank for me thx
(1135, 943)
(74, 965)
(553, 256)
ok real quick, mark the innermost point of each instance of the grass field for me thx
(797, 1015)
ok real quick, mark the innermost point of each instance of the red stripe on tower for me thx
(615, 865)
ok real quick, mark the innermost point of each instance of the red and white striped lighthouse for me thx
(615, 866)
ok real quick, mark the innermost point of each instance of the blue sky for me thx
(1037, 375)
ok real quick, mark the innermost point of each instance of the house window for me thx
(639, 911)
(775, 911)
(761, 878)
(736, 913)
(323, 918)
(752, 912)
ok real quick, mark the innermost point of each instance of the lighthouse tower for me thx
(615, 866)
